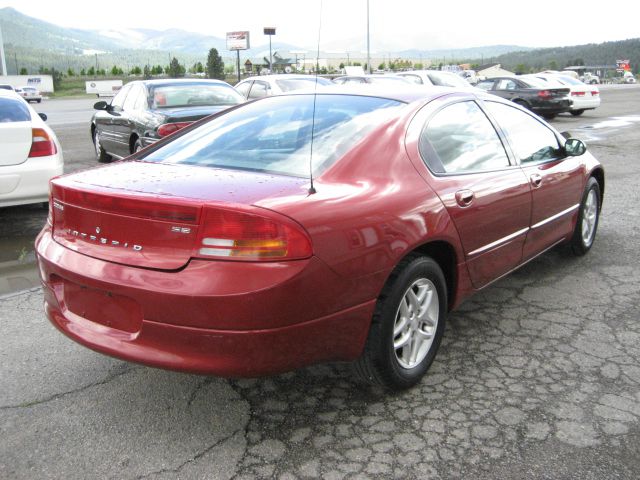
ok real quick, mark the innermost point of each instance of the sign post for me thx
(271, 31)
(238, 41)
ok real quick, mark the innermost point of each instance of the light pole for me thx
(3, 63)
(368, 45)
(271, 31)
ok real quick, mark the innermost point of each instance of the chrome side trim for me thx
(498, 242)
(556, 216)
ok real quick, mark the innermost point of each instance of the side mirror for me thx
(43, 116)
(574, 147)
(101, 105)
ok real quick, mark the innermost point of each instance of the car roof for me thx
(282, 76)
(9, 93)
(180, 81)
(407, 93)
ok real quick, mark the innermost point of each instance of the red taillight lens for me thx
(238, 235)
(544, 94)
(42, 145)
(594, 93)
(169, 128)
(577, 94)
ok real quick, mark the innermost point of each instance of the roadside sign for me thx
(238, 41)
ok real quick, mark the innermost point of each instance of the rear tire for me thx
(584, 233)
(101, 155)
(576, 113)
(549, 116)
(407, 326)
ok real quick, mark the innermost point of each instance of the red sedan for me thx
(307, 228)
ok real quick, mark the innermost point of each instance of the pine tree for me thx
(215, 66)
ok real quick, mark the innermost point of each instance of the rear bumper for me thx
(29, 182)
(168, 321)
(553, 106)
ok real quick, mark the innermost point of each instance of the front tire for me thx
(407, 326)
(577, 113)
(584, 233)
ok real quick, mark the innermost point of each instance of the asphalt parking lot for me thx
(538, 375)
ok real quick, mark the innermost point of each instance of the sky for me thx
(394, 24)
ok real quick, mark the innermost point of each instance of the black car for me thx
(529, 93)
(145, 111)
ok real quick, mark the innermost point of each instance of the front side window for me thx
(460, 139)
(531, 140)
(243, 87)
(259, 90)
(120, 97)
(274, 134)
(413, 78)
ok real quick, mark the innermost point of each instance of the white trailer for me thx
(103, 88)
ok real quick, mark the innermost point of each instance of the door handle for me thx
(536, 180)
(464, 198)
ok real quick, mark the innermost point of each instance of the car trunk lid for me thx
(15, 138)
(147, 214)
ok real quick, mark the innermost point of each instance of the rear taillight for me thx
(577, 94)
(544, 94)
(594, 93)
(42, 145)
(239, 235)
(169, 128)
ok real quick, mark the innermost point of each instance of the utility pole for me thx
(3, 63)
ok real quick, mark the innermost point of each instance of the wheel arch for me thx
(598, 174)
(444, 254)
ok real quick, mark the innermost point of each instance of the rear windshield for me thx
(198, 94)
(13, 110)
(274, 134)
(288, 84)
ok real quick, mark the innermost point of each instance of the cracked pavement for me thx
(538, 376)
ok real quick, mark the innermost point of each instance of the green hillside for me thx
(591, 54)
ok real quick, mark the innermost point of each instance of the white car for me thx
(584, 97)
(265, 85)
(435, 77)
(31, 94)
(31, 153)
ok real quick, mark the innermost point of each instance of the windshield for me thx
(274, 134)
(288, 84)
(194, 94)
(445, 79)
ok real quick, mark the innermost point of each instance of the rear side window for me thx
(274, 134)
(13, 110)
(460, 139)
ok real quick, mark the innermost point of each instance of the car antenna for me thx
(312, 189)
